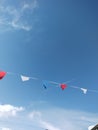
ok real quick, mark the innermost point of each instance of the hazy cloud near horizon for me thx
(52, 119)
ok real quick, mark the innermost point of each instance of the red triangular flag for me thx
(2, 74)
(63, 86)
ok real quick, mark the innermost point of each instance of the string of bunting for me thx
(47, 83)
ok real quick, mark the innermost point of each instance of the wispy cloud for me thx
(59, 119)
(19, 17)
(37, 117)
(48, 125)
(35, 114)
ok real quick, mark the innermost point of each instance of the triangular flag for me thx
(45, 87)
(2, 74)
(63, 86)
(46, 84)
(84, 90)
(25, 78)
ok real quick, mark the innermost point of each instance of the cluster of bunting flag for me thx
(61, 85)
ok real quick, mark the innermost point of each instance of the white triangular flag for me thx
(84, 90)
(25, 78)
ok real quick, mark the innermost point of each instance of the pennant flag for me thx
(63, 86)
(24, 78)
(2, 74)
(84, 90)
(45, 84)
(45, 87)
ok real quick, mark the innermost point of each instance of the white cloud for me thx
(18, 18)
(35, 114)
(4, 128)
(89, 119)
(37, 117)
(58, 119)
(31, 6)
(48, 125)
(9, 110)
(51, 118)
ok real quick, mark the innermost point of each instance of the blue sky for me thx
(54, 41)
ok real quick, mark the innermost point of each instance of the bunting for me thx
(2, 74)
(84, 90)
(46, 83)
(24, 78)
(63, 86)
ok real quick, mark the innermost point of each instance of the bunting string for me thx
(47, 83)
